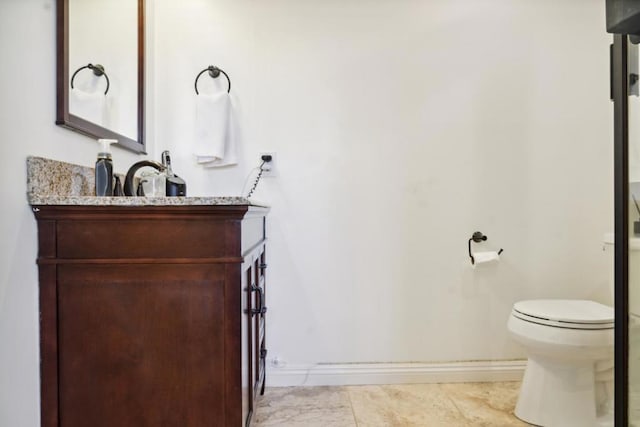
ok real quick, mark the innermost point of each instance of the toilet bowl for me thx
(569, 376)
(569, 343)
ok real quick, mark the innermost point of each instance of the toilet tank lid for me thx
(563, 310)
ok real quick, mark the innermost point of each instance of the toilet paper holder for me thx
(478, 237)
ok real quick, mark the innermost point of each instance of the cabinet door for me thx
(260, 322)
(252, 330)
(247, 342)
(141, 345)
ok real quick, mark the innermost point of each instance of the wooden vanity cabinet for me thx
(151, 315)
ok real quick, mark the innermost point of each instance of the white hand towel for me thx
(91, 106)
(230, 153)
(215, 139)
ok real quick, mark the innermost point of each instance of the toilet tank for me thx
(634, 270)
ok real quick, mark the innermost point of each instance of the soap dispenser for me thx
(104, 168)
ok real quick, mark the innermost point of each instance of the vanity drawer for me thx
(161, 238)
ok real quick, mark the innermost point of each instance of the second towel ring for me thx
(97, 69)
(214, 72)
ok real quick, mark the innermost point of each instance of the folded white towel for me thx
(215, 139)
(91, 106)
(230, 152)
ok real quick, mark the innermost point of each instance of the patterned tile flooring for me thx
(405, 405)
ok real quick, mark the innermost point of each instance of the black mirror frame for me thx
(78, 124)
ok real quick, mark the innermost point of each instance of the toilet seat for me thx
(566, 314)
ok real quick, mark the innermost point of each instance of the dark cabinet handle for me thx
(261, 309)
(263, 266)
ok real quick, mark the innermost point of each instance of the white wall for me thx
(27, 127)
(402, 127)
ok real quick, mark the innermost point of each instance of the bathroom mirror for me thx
(100, 69)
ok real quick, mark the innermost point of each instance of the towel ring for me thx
(214, 72)
(98, 70)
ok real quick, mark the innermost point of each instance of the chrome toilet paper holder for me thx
(478, 237)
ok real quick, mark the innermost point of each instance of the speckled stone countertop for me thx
(51, 182)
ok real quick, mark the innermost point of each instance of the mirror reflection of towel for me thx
(215, 139)
(91, 106)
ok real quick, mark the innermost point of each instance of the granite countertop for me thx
(38, 200)
(51, 182)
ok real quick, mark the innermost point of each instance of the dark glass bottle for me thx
(117, 187)
(104, 169)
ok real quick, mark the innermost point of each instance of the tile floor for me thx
(446, 405)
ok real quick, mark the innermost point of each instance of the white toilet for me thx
(569, 376)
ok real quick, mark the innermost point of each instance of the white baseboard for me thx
(395, 373)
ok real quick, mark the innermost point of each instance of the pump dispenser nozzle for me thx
(105, 148)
